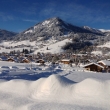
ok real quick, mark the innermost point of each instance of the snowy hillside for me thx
(58, 87)
(7, 46)
(92, 29)
(101, 48)
(97, 52)
(54, 48)
(103, 30)
(107, 44)
(17, 43)
(52, 33)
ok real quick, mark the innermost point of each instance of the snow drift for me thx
(55, 88)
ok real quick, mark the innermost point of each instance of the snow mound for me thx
(56, 88)
(93, 87)
(60, 89)
(52, 88)
(15, 87)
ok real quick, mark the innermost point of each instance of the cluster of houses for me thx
(90, 65)
(21, 58)
(100, 66)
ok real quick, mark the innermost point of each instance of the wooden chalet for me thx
(66, 61)
(10, 59)
(41, 61)
(105, 64)
(94, 67)
(25, 60)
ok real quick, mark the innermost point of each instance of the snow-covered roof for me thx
(105, 62)
(94, 64)
(65, 60)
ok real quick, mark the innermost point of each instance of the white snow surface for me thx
(97, 52)
(15, 43)
(104, 30)
(20, 45)
(107, 44)
(45, 22)
(105, 62)
(54, 47)
(58, 87)
(29, 31)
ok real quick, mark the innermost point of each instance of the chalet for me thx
(25, 60)
(94, 67)
(41, 61)
(105, 64)
(10, 59)
(66, 61)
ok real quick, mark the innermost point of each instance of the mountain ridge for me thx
(52, 27)
(5, 34)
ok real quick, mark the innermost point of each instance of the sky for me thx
(19, 15)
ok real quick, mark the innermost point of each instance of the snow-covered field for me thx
(107, 44)
(97, 52)
(54, 46)
(58, 87)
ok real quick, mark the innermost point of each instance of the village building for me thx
(10, 59)
(40, 61)
(66, 61)
(94, 67)
(105, 64)
(25, 60)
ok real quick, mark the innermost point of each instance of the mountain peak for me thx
(54, 21)
(51, 27)
(55, 18)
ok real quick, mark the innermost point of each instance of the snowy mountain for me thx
(92, 29)
(53, 27)
(103, 30)
(5, 35)
(53, 33)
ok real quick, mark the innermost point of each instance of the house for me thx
(25, 60)
(66, 61)
(105, 64)
(41, 61)
(94, 67)
(10, 59)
